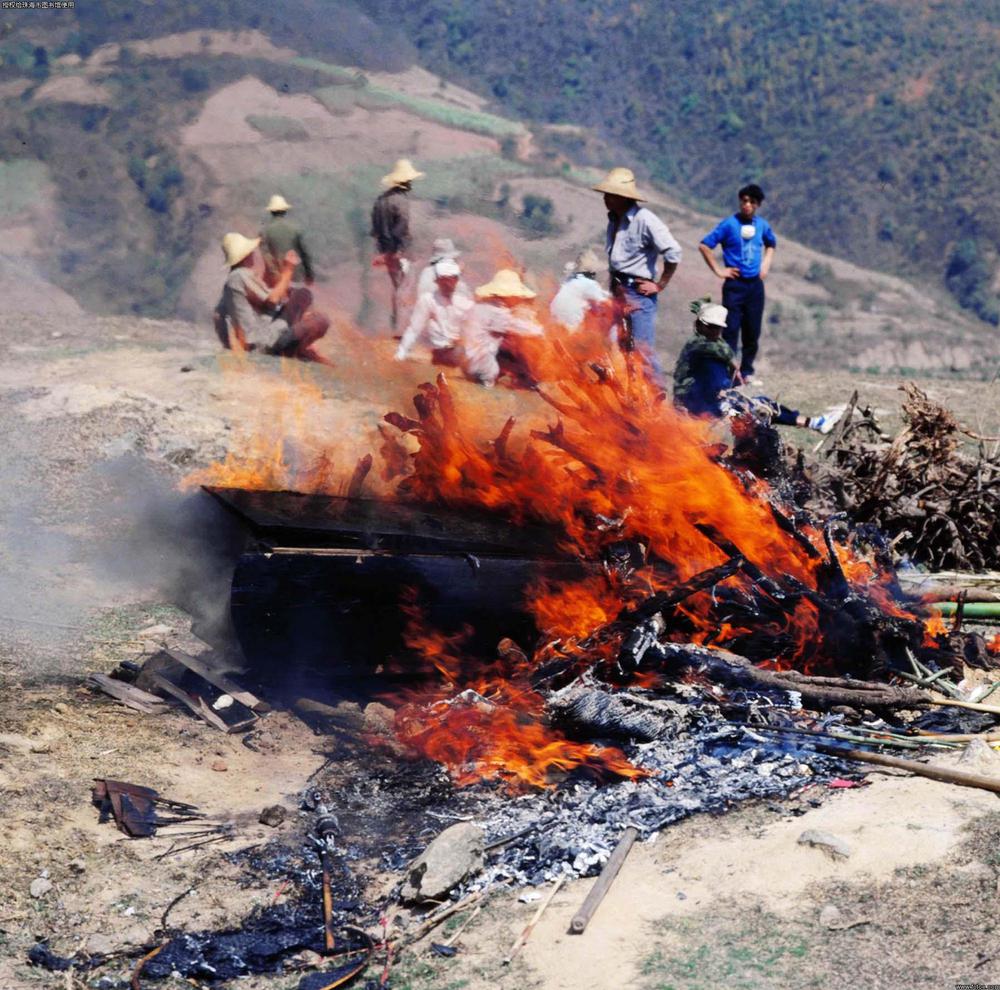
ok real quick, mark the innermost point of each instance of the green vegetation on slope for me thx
(873, 124)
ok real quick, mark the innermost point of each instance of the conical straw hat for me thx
(620, 182)
(506, 284)
(402, 171)
(278, 204)
(236, 247)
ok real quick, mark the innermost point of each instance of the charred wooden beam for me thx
(729, 668)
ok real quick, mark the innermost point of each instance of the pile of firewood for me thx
(934, 495)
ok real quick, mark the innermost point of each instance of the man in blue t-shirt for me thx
(748, 245)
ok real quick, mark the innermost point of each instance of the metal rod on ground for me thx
(603, 883)
(943, 774)
(524, 936)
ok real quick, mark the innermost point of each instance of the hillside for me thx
(135, 157)
(873, 124)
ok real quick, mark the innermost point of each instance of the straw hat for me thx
(713, 315)
(236, 247)
(444, 247)
(402, 172)
(619, 182)
(278, 204)
(506, 284)
(587, 261)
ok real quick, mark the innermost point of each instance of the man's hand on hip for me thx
(646, 287)
(725, 273)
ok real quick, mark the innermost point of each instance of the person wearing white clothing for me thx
(580, 294)
(499, 314)
(443, 249)
(438, 318)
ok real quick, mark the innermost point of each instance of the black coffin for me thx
(319, 589)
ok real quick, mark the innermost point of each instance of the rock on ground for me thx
(455, 854)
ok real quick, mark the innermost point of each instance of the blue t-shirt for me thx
(742, 244)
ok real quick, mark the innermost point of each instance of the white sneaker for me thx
(824, 424)
(753, 380)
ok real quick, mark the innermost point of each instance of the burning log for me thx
(736, 671)
(621, 715)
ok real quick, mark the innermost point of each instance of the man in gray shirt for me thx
(251, 316)
(636, 238)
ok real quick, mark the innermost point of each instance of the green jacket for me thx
(700, 372)
(279, 235)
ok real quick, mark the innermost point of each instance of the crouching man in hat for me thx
(438, 317)
(391, 226)
(499, 316)
(636, 238)
(706, 371)
(273, 320)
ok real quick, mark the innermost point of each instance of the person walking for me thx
(636, 238)
(391, 226)
(279, 236)
(748, 245)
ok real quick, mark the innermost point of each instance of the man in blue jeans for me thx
(636, 238)
(748, 245)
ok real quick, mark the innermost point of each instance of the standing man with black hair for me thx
(748, 245)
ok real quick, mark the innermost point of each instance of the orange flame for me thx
(615, 462)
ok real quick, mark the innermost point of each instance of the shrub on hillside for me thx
(278, 128)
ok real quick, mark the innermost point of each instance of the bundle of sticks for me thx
(933, 489)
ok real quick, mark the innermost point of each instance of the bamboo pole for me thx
(943, 774)
(972, 610)
(972, 706)
(526, 933)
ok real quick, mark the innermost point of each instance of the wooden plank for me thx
(129, 695)
(215, 677)
(199, 707)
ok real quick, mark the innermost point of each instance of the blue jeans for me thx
(643, 323)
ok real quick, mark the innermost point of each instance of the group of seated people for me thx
(469, 329)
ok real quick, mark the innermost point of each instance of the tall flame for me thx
(615, 462)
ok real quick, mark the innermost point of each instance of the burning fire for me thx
(615, 464)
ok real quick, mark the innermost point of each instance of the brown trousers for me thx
(305, 327)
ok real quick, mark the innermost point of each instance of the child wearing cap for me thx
(438, 317)
(706, 369)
